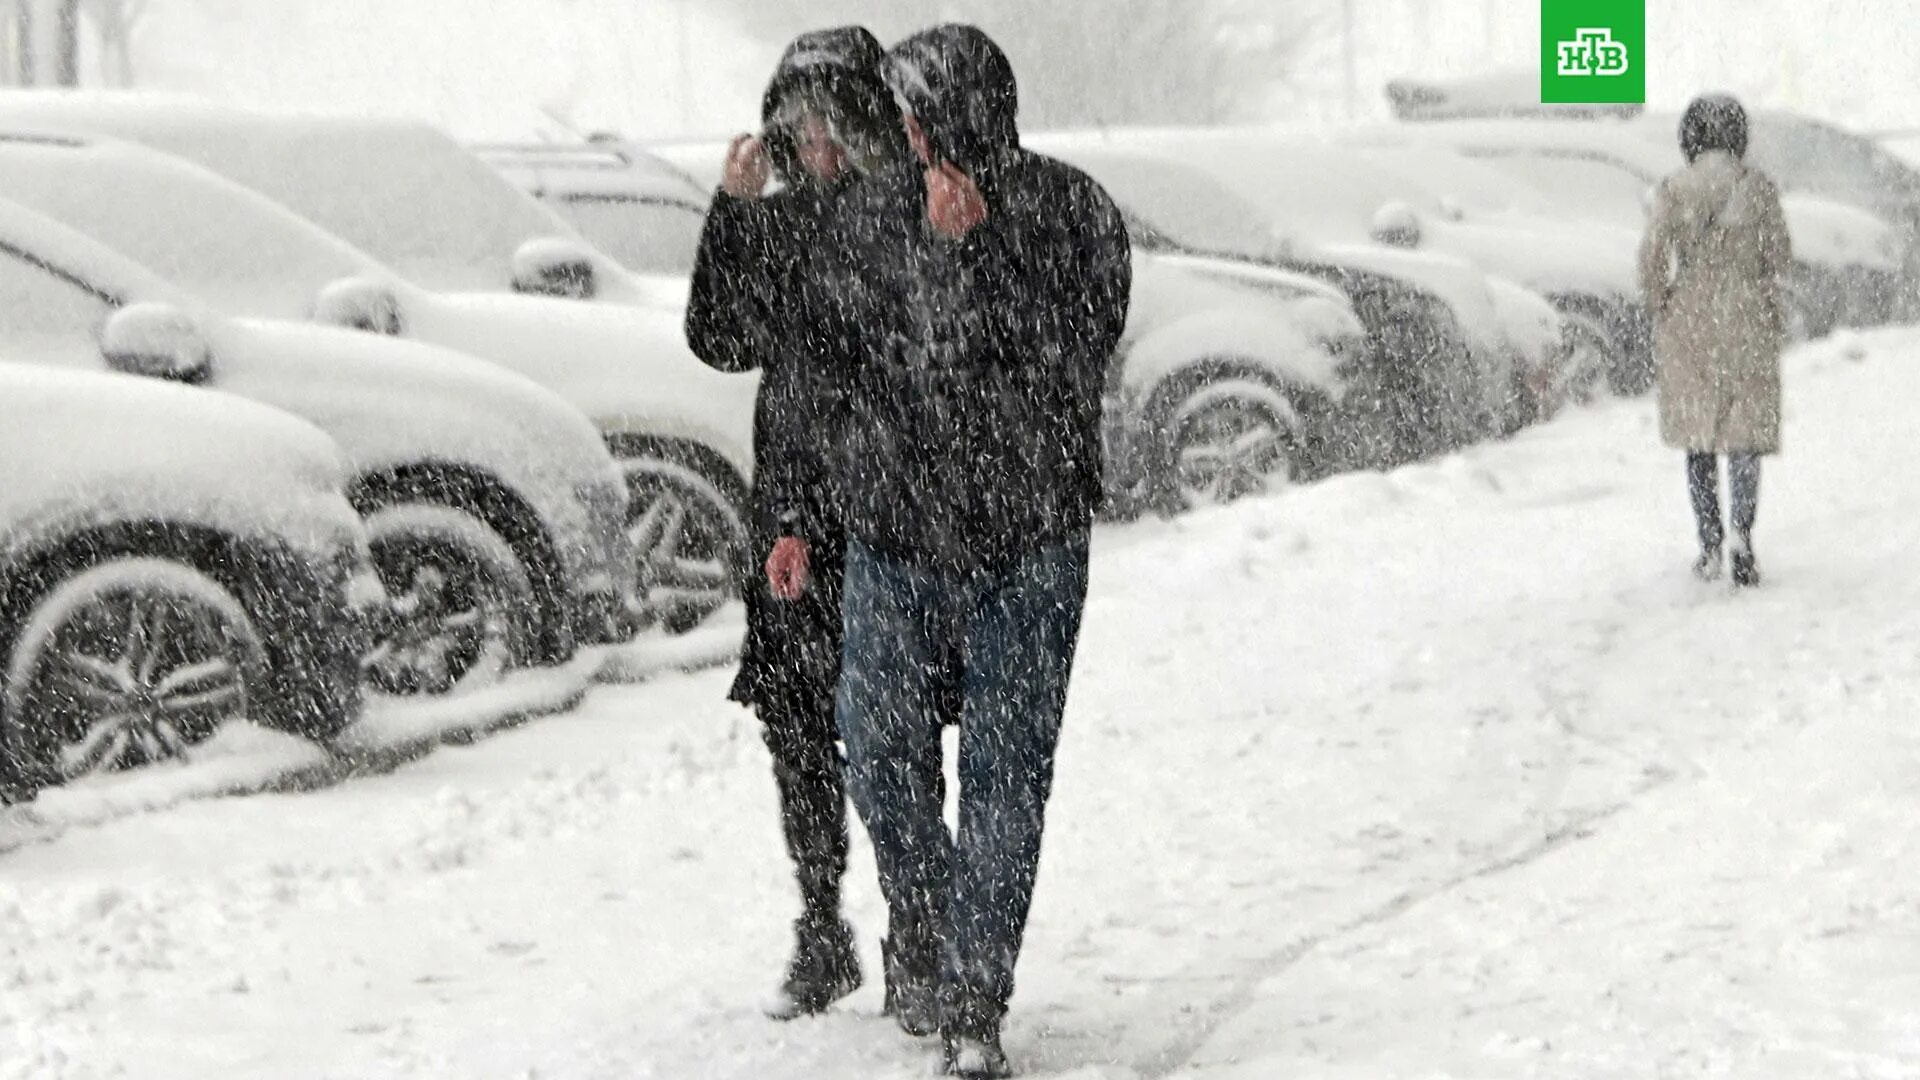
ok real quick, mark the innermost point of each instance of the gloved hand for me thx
(787, 570)
(954, 204)
(748, 168)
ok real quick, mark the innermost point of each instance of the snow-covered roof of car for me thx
(1330, 194)
(1187, 205)
(28, 233)
(611, 169)
(403, 191)
(1512, 92)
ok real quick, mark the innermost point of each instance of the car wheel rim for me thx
(1588, 366)
(684, 550)
(1229, 452)
(445, 628)
(138, 677)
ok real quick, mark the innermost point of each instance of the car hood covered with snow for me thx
(625, 365)
(628, 368)
(1532, 324)
(1827, 232)
(1622, 162)
(1188, 308)
(1546, 255)
(87, 449)
(385, 400)
(389, 401)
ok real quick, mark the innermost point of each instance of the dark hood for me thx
(959, 85)
(1713, 122)
(841, 69)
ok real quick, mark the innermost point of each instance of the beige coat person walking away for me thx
(1712, 269)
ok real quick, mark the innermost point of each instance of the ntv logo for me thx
(1592, 52)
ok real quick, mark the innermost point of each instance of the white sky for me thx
(662, 67)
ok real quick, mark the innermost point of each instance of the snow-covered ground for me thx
(1448, 773)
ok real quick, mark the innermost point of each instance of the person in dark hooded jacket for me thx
(979, 296)
(828, 120)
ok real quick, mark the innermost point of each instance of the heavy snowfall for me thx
(477, 481)
(1443, 772)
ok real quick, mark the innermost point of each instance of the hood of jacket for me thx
(839, 71)
(958, 83)
(1717, 189)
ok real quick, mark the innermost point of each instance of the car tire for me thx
(131, 661)
(1226, 440)
(689, 538)
(1592, 354)
(462, 611)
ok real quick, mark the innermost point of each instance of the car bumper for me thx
(323, 618)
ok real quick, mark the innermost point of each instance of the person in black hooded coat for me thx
(978, 298)
(828, 120)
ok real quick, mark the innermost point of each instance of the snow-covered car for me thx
(402, 191)
(637, 207)
(1229, 379)
(1447, 364)
(1434, 199)
(497, 517)
(170, 560)
(1324, 202)
(681, 431)
(1850, 264)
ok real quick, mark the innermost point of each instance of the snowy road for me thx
(1449, 773)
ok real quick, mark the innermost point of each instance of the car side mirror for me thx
(555, 266)
(1398, 225)
(157, 341)
(360, 304)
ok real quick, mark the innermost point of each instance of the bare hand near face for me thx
(787, 568)
(748, 168)
(955, 206)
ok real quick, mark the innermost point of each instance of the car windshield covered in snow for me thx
(1596, 185)
(648, 235)
(1806, 155)
(403, 191)
(406, 193)
(187, 225)
(633, 205)
(1169, 204)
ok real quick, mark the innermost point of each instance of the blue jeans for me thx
(1007, 635)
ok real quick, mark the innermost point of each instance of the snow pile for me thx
(1450, 772)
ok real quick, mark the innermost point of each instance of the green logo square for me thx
(1593, 52)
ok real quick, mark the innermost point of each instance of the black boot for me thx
(824, 969)
(1703, 491)
(972, 1039)
(1746, 573)
(1710, 565)
(913, 985)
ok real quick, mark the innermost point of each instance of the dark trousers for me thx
(1703, 488)
(788, 670)
(1013, 630)
(813, 807)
